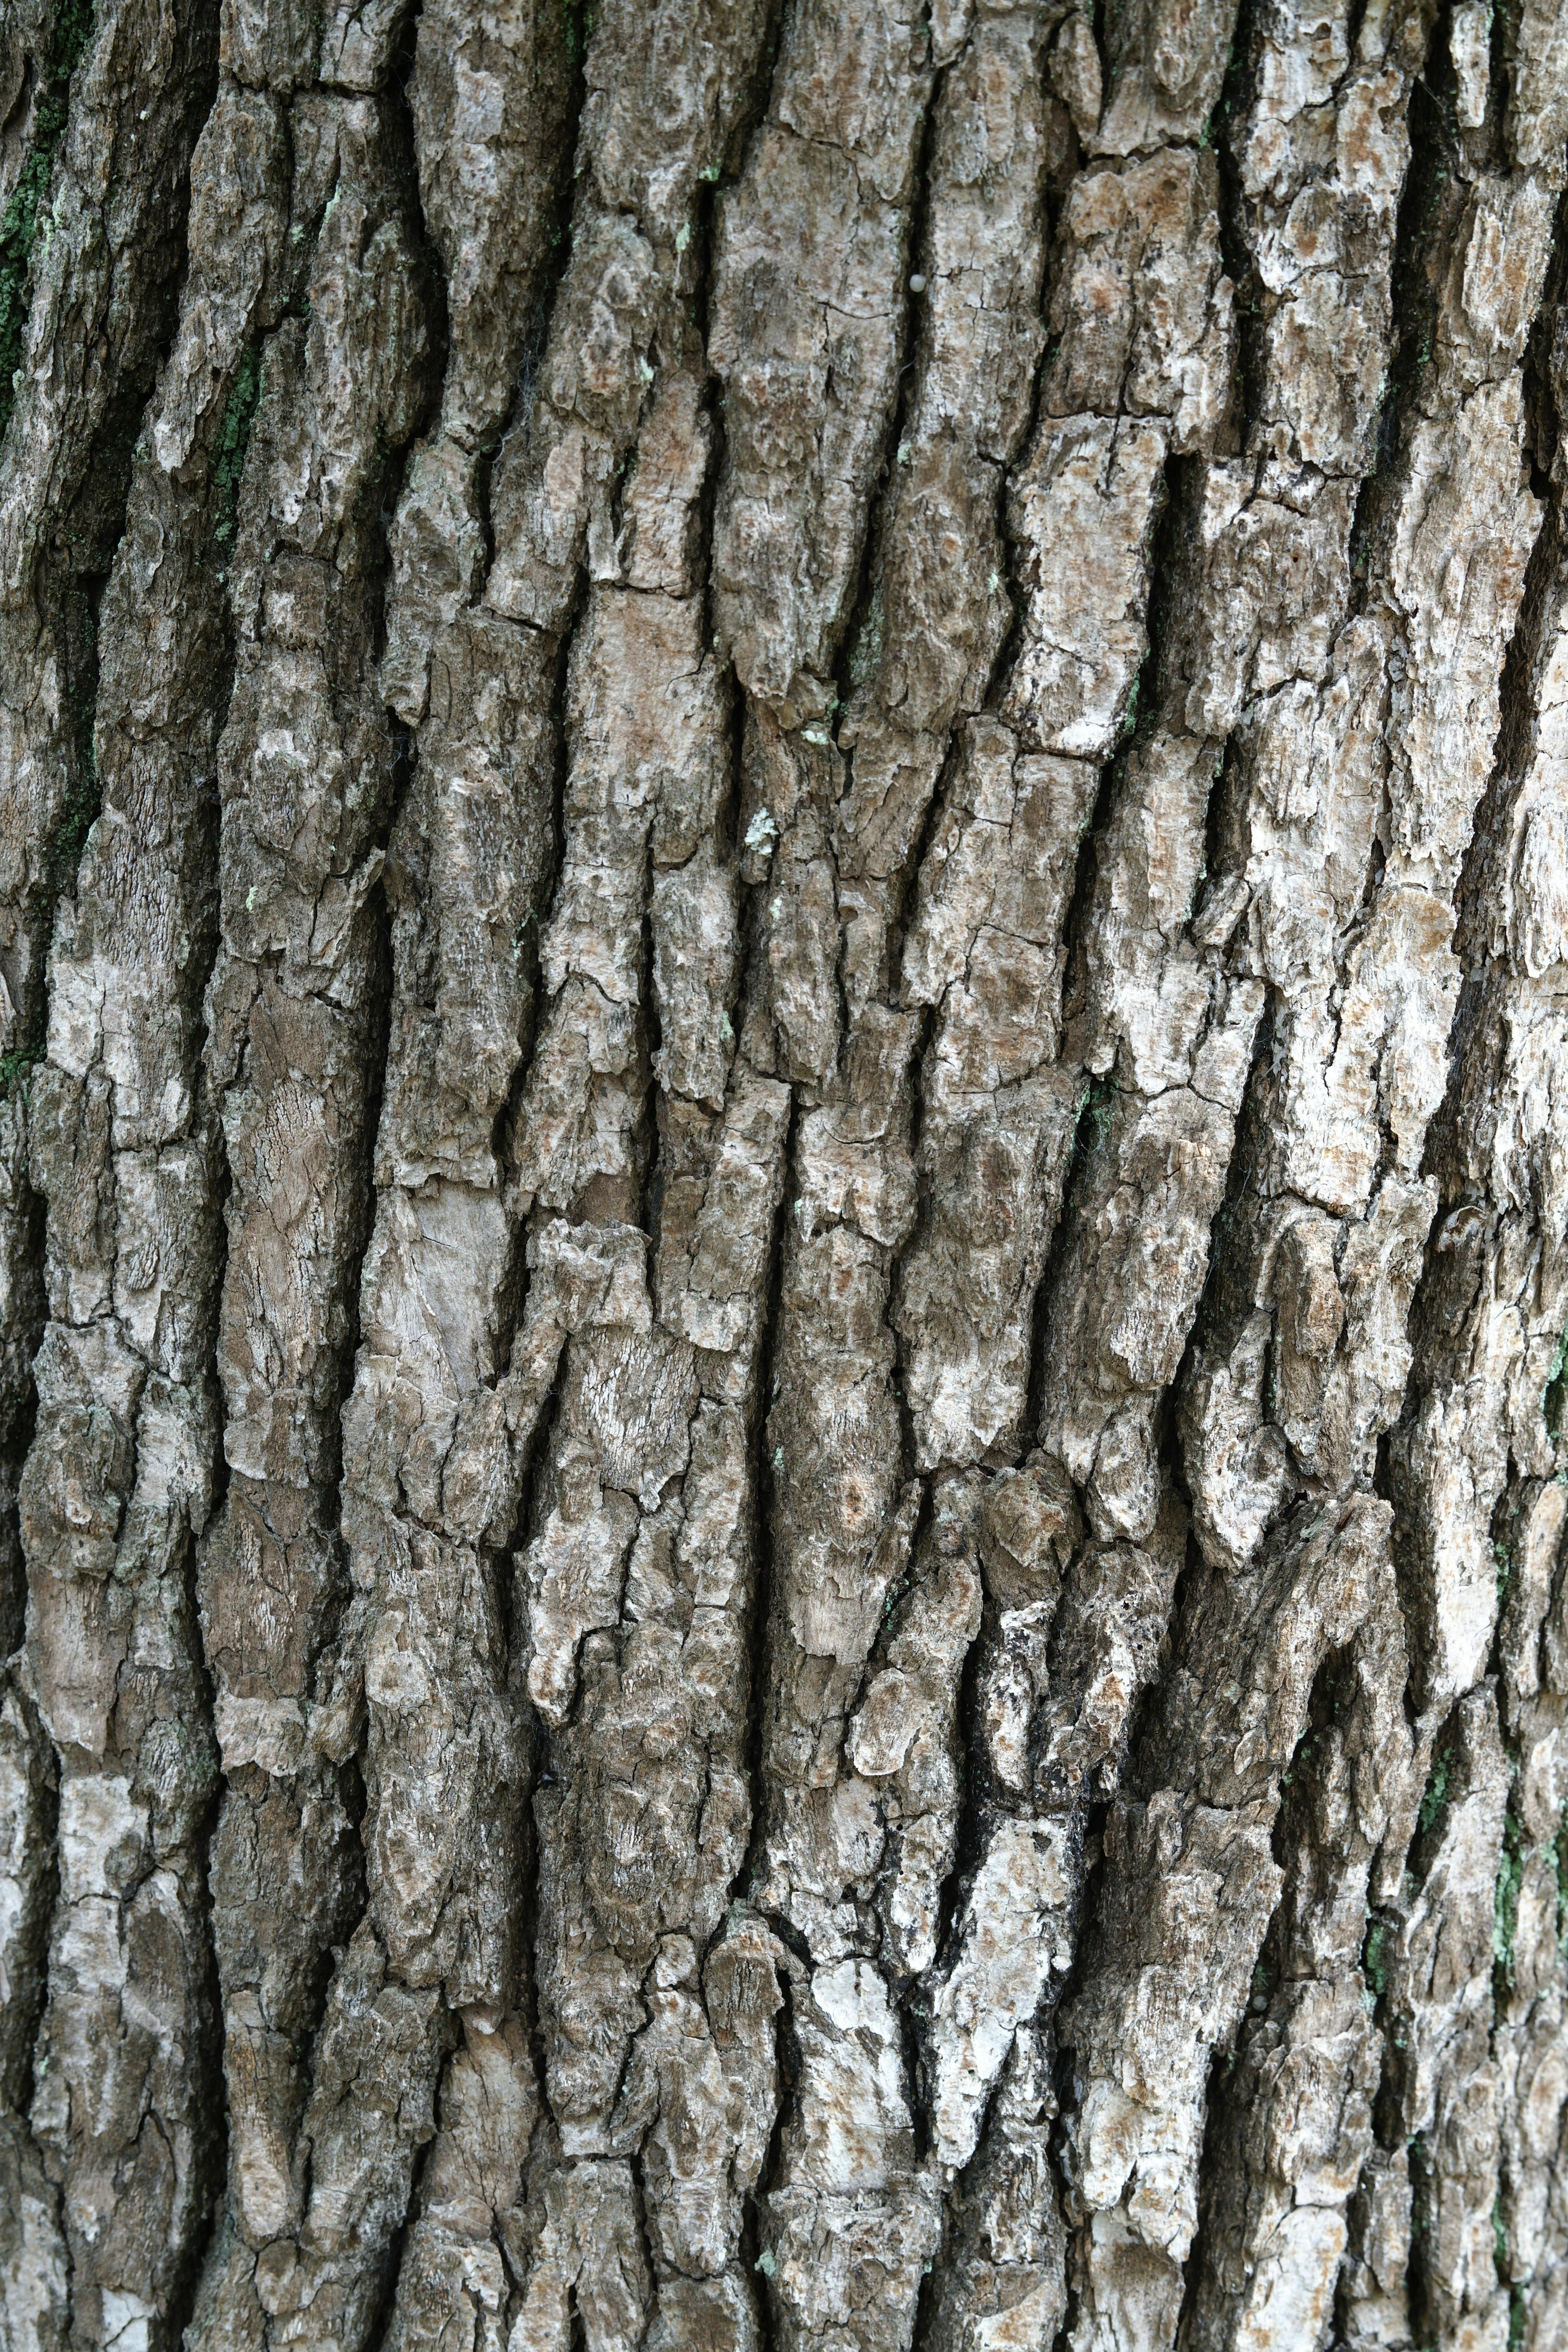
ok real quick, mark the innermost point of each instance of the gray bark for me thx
(784, 1176)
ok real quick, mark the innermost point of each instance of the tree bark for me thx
(784, 1176)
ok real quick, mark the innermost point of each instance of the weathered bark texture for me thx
(783, 1175)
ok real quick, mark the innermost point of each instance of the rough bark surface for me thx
(784, 1176)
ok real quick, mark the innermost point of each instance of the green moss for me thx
(896, 1592)
(1437, 1790)
(17, 230)
(1505, 1911)
(15, 1067)
(1373, 1966)
(73, 30)
(19, 223)
(577, 29)
(80, 616)
(1502, 1553)
(82, 804)
(1097, 1103)
(82, 680)
(234, 440)
(867, 653)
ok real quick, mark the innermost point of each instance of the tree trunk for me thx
(783, 910)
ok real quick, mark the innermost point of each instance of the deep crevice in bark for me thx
(1417, 251)
(1237, 248)
(855, 628)
(764, 1489)
(577, 14)
(209, 2064)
